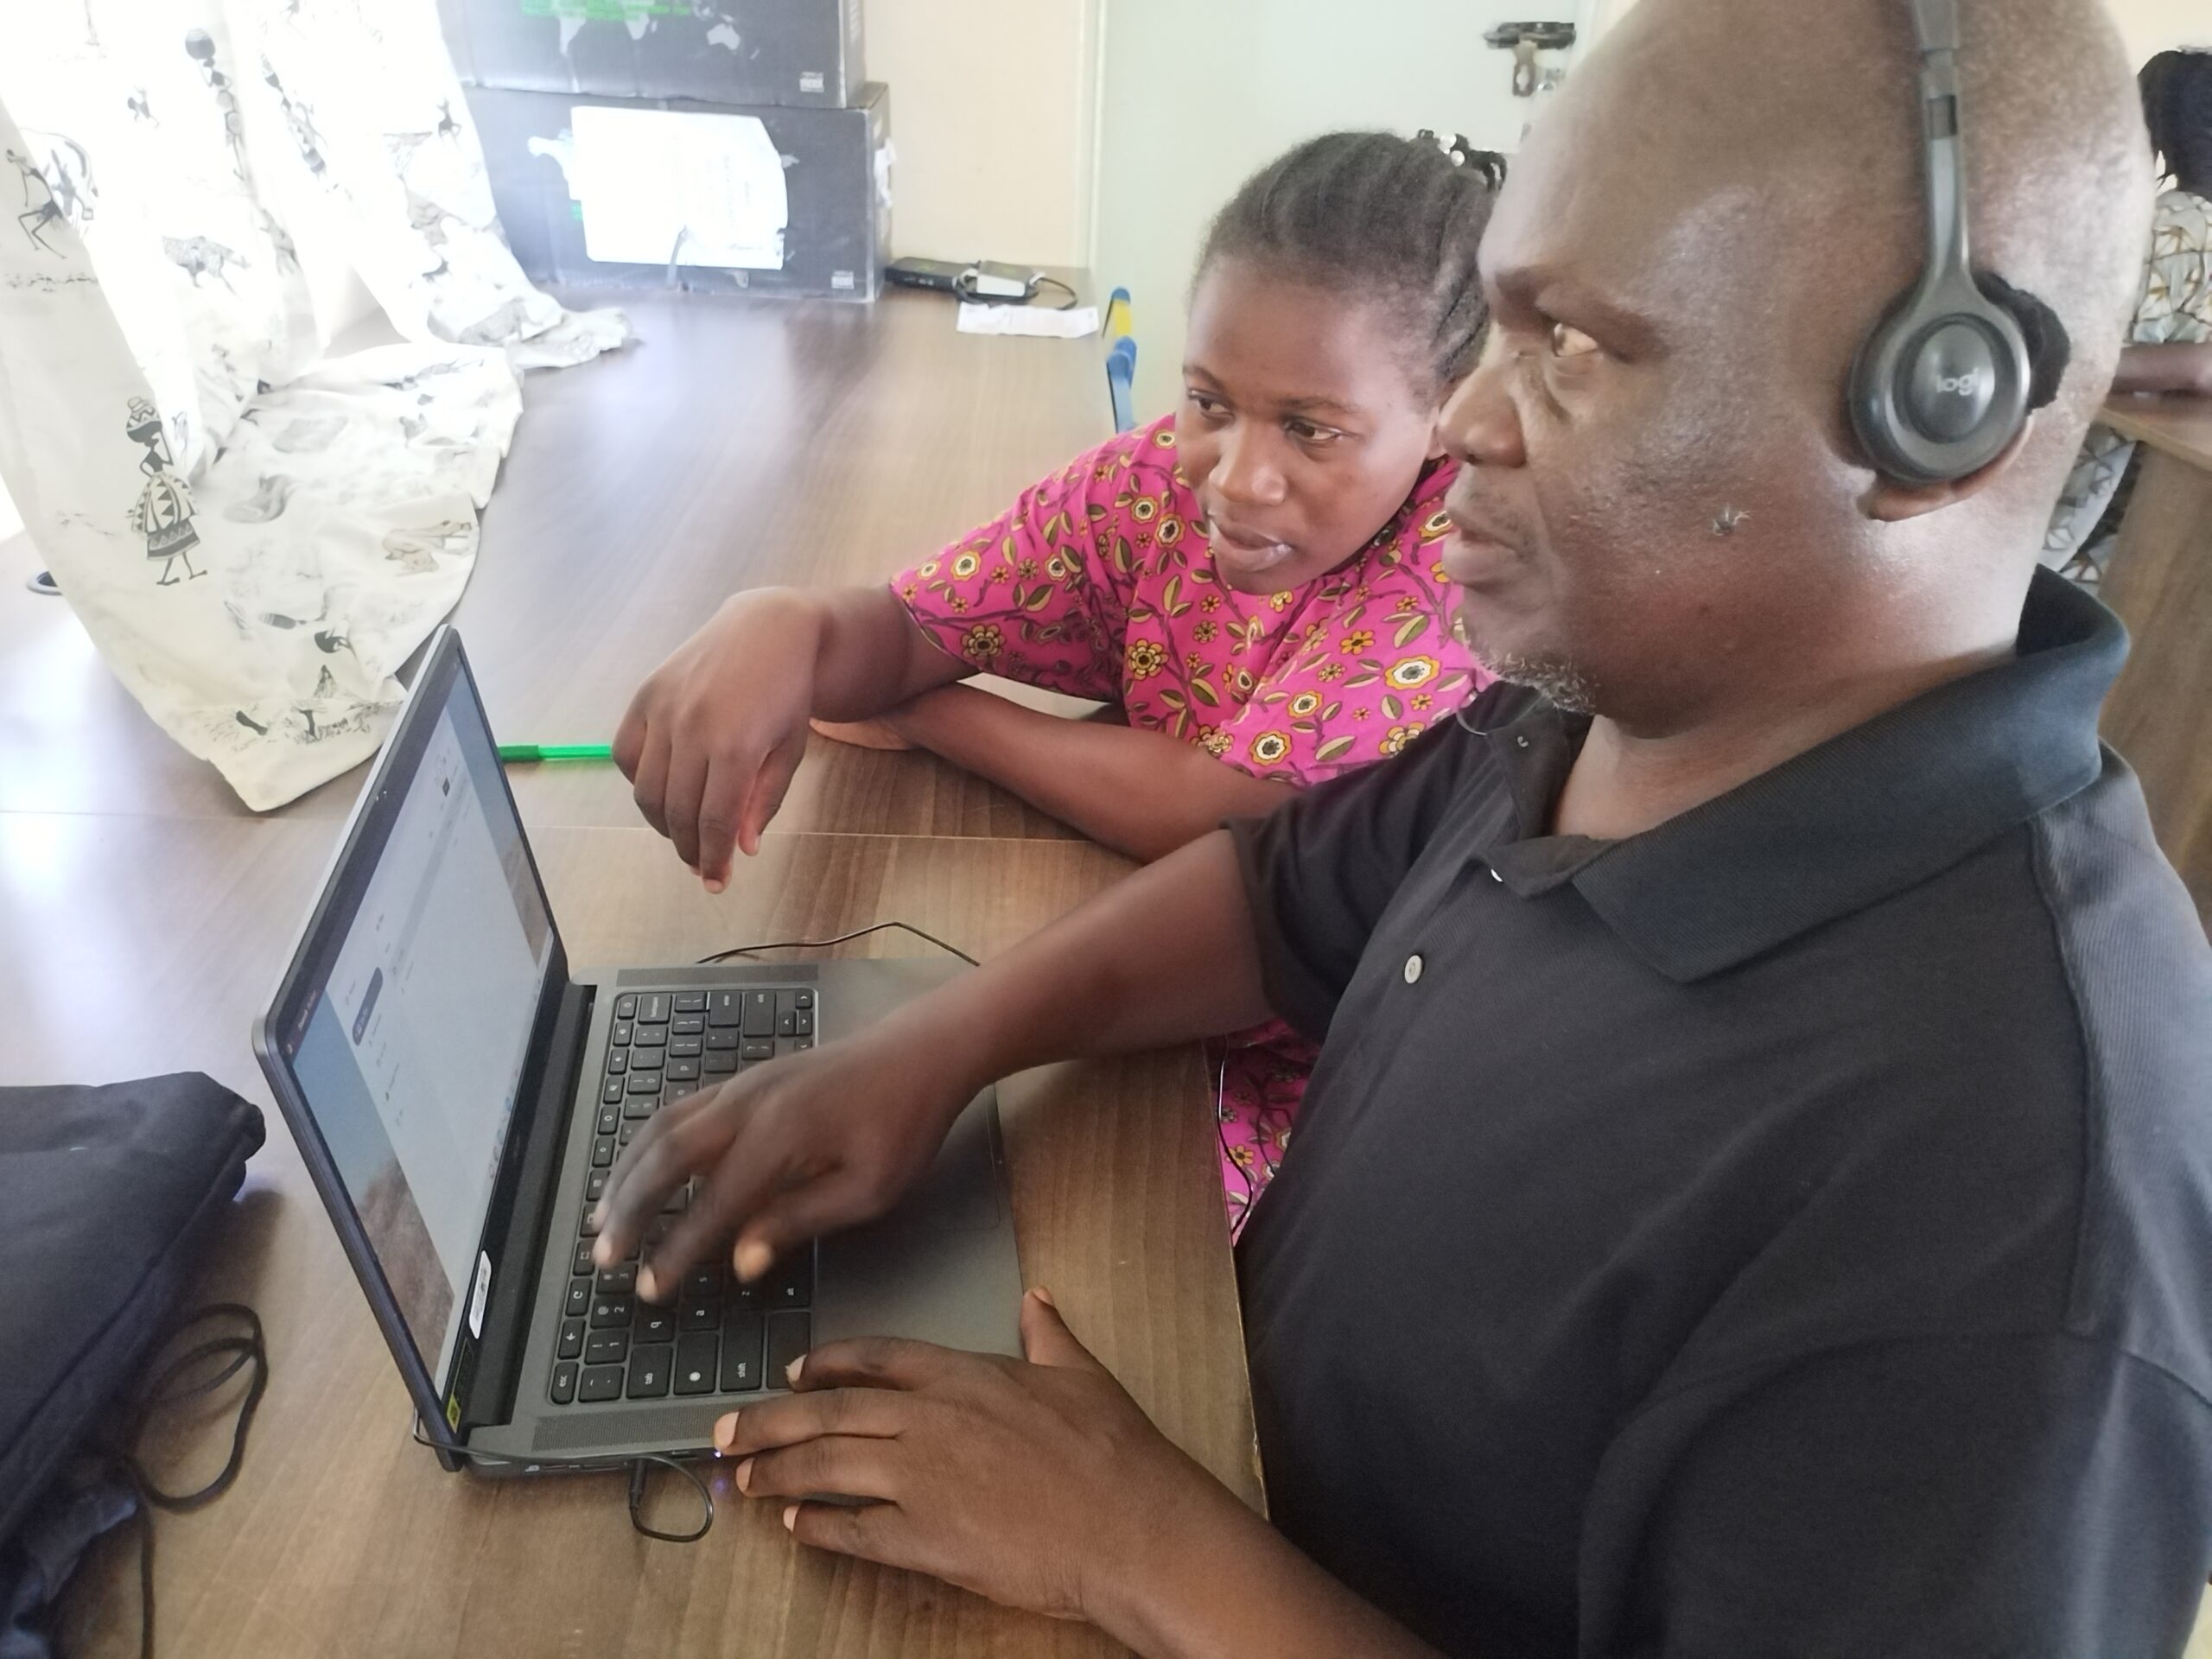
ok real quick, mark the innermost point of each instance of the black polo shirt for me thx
(1787, 1230)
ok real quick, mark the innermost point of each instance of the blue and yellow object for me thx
(1121, 359)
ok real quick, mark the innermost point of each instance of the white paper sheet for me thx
(1077, 324)
(650, 178)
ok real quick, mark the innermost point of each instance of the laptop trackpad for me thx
(940, 1267)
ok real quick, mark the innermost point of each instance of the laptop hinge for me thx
(514, 1240)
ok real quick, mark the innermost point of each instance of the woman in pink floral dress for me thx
(1252, 582)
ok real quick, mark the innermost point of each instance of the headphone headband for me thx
(1936, 22)
(1941, 386)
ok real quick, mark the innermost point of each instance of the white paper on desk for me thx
(1021, 320)
(648, 178)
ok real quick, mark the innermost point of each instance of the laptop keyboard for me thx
(718, 1336)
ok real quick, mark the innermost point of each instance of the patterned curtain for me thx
(255, 541)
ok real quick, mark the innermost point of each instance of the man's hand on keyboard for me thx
(789, 1150)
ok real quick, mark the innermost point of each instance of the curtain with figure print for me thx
(255, 539)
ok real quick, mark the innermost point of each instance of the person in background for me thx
(2170, 346)
(1252, 580)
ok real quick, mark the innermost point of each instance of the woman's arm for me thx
(2174, 367)
(1141, 792)
(712, 738)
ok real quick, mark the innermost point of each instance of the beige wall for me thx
(991, 113)
(1199, 93)
(2151, 26)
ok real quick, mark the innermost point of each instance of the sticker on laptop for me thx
(481, 1293)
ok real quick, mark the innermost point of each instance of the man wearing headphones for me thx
(1755, 1196)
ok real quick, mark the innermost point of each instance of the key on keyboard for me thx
(601, 1382)
(695, 1362)
(789, 1336)
(649, 1369)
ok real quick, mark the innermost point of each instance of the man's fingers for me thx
(789, 1219)
(646, 1160)
(1046, 1339)
(883, 1363)
(875, 1532)
(674, 1143)
(750, 1169)
(650, 1133)
(791, 1419)
(842, 1465)
(769, 788)
(743, 1178)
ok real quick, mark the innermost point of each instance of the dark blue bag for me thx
(104, 1194)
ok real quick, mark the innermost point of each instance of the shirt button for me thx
(1413, 969)
(1522, 742)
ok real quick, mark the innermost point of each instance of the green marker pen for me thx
(557, 751)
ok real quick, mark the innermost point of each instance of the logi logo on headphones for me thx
(1960, 385)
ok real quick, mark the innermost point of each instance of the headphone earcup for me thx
(1874, 409)
(1941, 386)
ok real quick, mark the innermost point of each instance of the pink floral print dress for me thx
(1099, 582)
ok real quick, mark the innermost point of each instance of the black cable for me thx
(638, 1494)
(637, 1485)
(243, 1350)
(842, 939)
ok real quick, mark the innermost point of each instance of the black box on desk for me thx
(803, 53)
(613, 192)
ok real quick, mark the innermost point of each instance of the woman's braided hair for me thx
(2177, 107)
(1385, 219)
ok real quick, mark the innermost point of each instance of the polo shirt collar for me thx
(1863, 817)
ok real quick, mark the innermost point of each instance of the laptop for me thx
(459, 1094)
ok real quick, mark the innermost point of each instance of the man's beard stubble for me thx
(1566, 687)
(1560, 682)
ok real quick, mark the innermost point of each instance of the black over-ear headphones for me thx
(1947, 381)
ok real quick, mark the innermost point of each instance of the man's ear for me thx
(1892, 503)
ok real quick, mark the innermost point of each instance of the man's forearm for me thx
(1166, 956)
(2177, 366)
(1170, 1605)
(1141, 792)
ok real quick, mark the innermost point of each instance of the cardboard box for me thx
(801, 53)
(590, 189)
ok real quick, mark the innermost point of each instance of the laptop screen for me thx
(410, 1038)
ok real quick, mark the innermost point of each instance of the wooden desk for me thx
(736, 444)
(147, 916)
(343, 1538)
(2177, 426)
(2159, 715)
